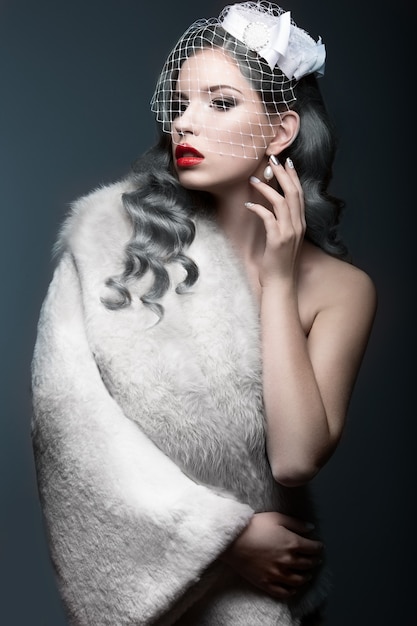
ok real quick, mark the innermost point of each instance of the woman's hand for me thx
(274, 554)
(284, 225)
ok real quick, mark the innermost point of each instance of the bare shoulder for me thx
(327, 283)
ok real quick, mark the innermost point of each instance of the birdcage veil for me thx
(272, 54)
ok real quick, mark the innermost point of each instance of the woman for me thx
(198, 347)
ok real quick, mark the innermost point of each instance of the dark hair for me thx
(313, 153)
(161, 210)
(160, 213)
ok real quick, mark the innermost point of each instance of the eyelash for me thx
(219, 104)
(223, 104)
(178, 108)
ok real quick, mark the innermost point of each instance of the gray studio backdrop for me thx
(75, 81)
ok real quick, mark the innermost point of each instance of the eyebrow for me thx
(219, 87)
(211, 89)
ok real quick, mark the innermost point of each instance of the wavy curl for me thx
(160, 212)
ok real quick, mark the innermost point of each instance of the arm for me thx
(307, 380)
(129, 533)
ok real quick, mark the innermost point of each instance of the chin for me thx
(189, 179)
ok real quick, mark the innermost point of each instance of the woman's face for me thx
(220, 129)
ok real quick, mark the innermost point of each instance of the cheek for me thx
(240, 137)
(242, 147)
(237, 167)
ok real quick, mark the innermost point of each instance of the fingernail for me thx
(249, 204)
(253, 179)
(290, 163)
(274, 159)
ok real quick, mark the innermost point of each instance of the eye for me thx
(223, 103)
(179, 106)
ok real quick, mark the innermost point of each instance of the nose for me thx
(188, 121)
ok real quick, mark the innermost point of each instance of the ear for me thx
(287, 131)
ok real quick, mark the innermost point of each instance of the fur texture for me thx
(149, 438)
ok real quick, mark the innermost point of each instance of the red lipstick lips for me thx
(187, 156)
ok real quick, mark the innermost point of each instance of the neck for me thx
(244, 229)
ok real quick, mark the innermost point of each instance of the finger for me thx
(291, 578)
(272, 196)
(291, 186)
(287, 176)
(298, 544)
(289, 168)
(279, 591)
(287, 208)
(308, 547)
(268, 218)
(296, 525)
(292, 173)
(303, 563)
(300, 561)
